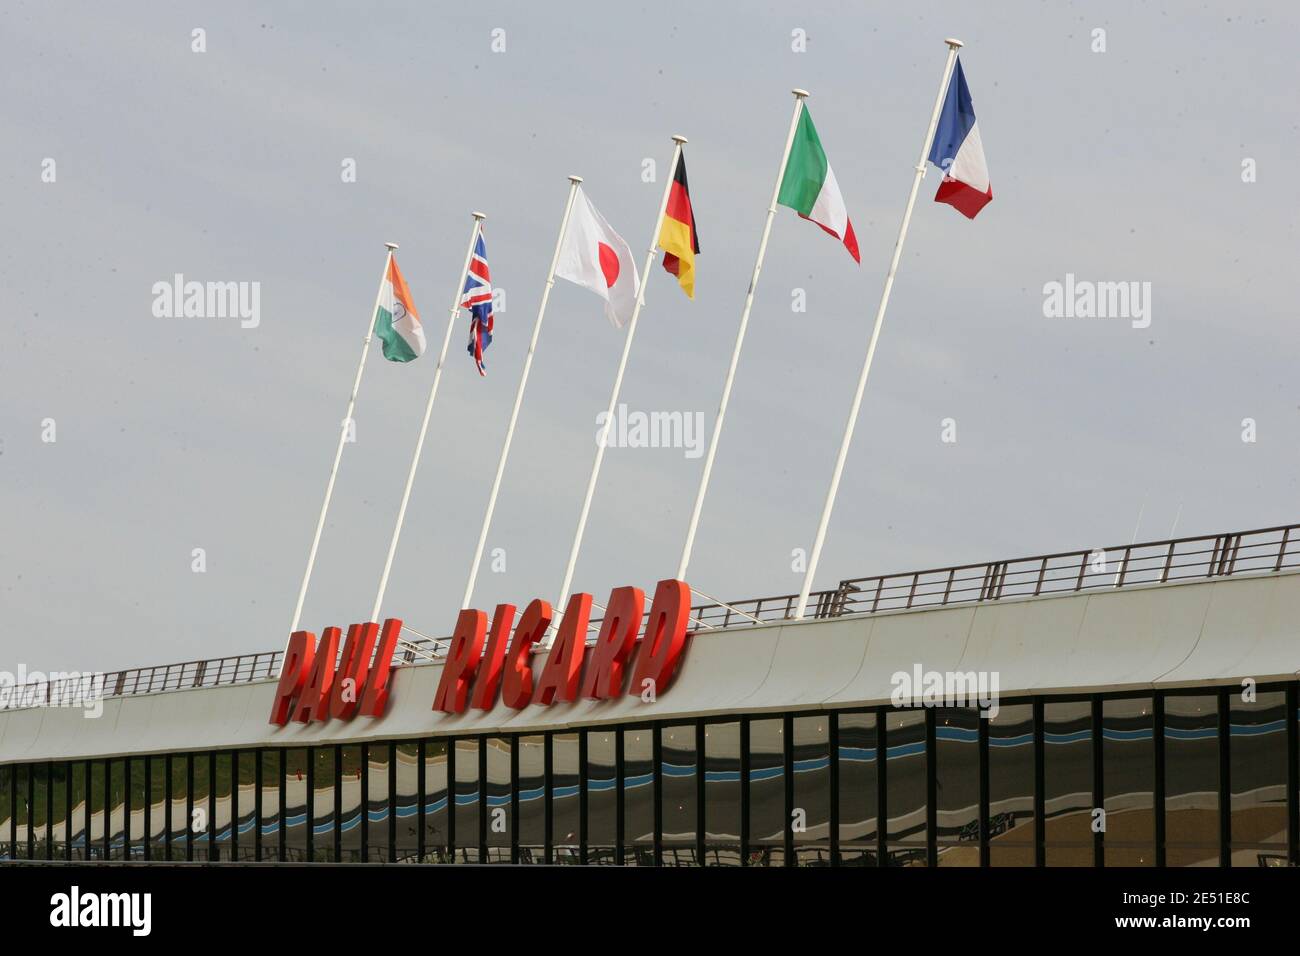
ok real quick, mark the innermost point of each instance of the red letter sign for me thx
(375, 699)
(462, 661)
(665, 637)
(484, 668)
(313, 704)
(559, 680)
(604, 677)
(517, 690)
(489, 670)
(297, 662)
(353, 667)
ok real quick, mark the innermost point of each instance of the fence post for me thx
(1236, 546)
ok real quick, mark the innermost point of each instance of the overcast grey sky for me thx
(176, 434)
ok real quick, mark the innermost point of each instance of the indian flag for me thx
(808, 186)
(396, 322)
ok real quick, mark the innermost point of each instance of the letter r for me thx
(462, 661)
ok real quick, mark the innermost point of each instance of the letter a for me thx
(618, 631)
(559, 678)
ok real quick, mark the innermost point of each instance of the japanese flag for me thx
(595, 257)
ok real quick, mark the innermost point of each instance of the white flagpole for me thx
(519, 395)
(428, 411)
(799, 96)
(618, 382)
(1137, 525)
(953, 47)
(343, 435)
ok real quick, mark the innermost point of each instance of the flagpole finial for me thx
(479, 216)
(801, 94)
(392, 246)
(954, 44)
(575, 179)
(679, 138)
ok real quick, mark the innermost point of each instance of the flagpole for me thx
(519, 395)
(428, 411)
(799, 96)
(618, 381)
(343, 435)
(953, 47)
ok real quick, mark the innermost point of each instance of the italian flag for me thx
(396, 322)
(808, 186)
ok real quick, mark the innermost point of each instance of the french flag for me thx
(957, 151)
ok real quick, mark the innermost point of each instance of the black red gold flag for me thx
(678, 238)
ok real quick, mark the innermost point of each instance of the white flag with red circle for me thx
(595, 257)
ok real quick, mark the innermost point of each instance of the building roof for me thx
(1186, 634)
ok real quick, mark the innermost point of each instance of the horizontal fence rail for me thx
(1152, 562)
(1262, 551)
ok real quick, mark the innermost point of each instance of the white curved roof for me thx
(1215, 631)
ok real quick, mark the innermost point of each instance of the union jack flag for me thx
(478, 299)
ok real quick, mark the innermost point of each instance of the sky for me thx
(1153, 152)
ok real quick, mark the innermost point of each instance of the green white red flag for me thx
(808, 186)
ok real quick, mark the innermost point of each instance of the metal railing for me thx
(1265, 550)
(1262, 551)
(73, 689)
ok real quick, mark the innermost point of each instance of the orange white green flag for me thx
(396, 322)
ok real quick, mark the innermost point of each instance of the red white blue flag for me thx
(478, 299)
(957, 151)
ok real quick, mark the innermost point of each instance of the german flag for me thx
(678, 238)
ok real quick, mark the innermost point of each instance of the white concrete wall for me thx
(1184, 634)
